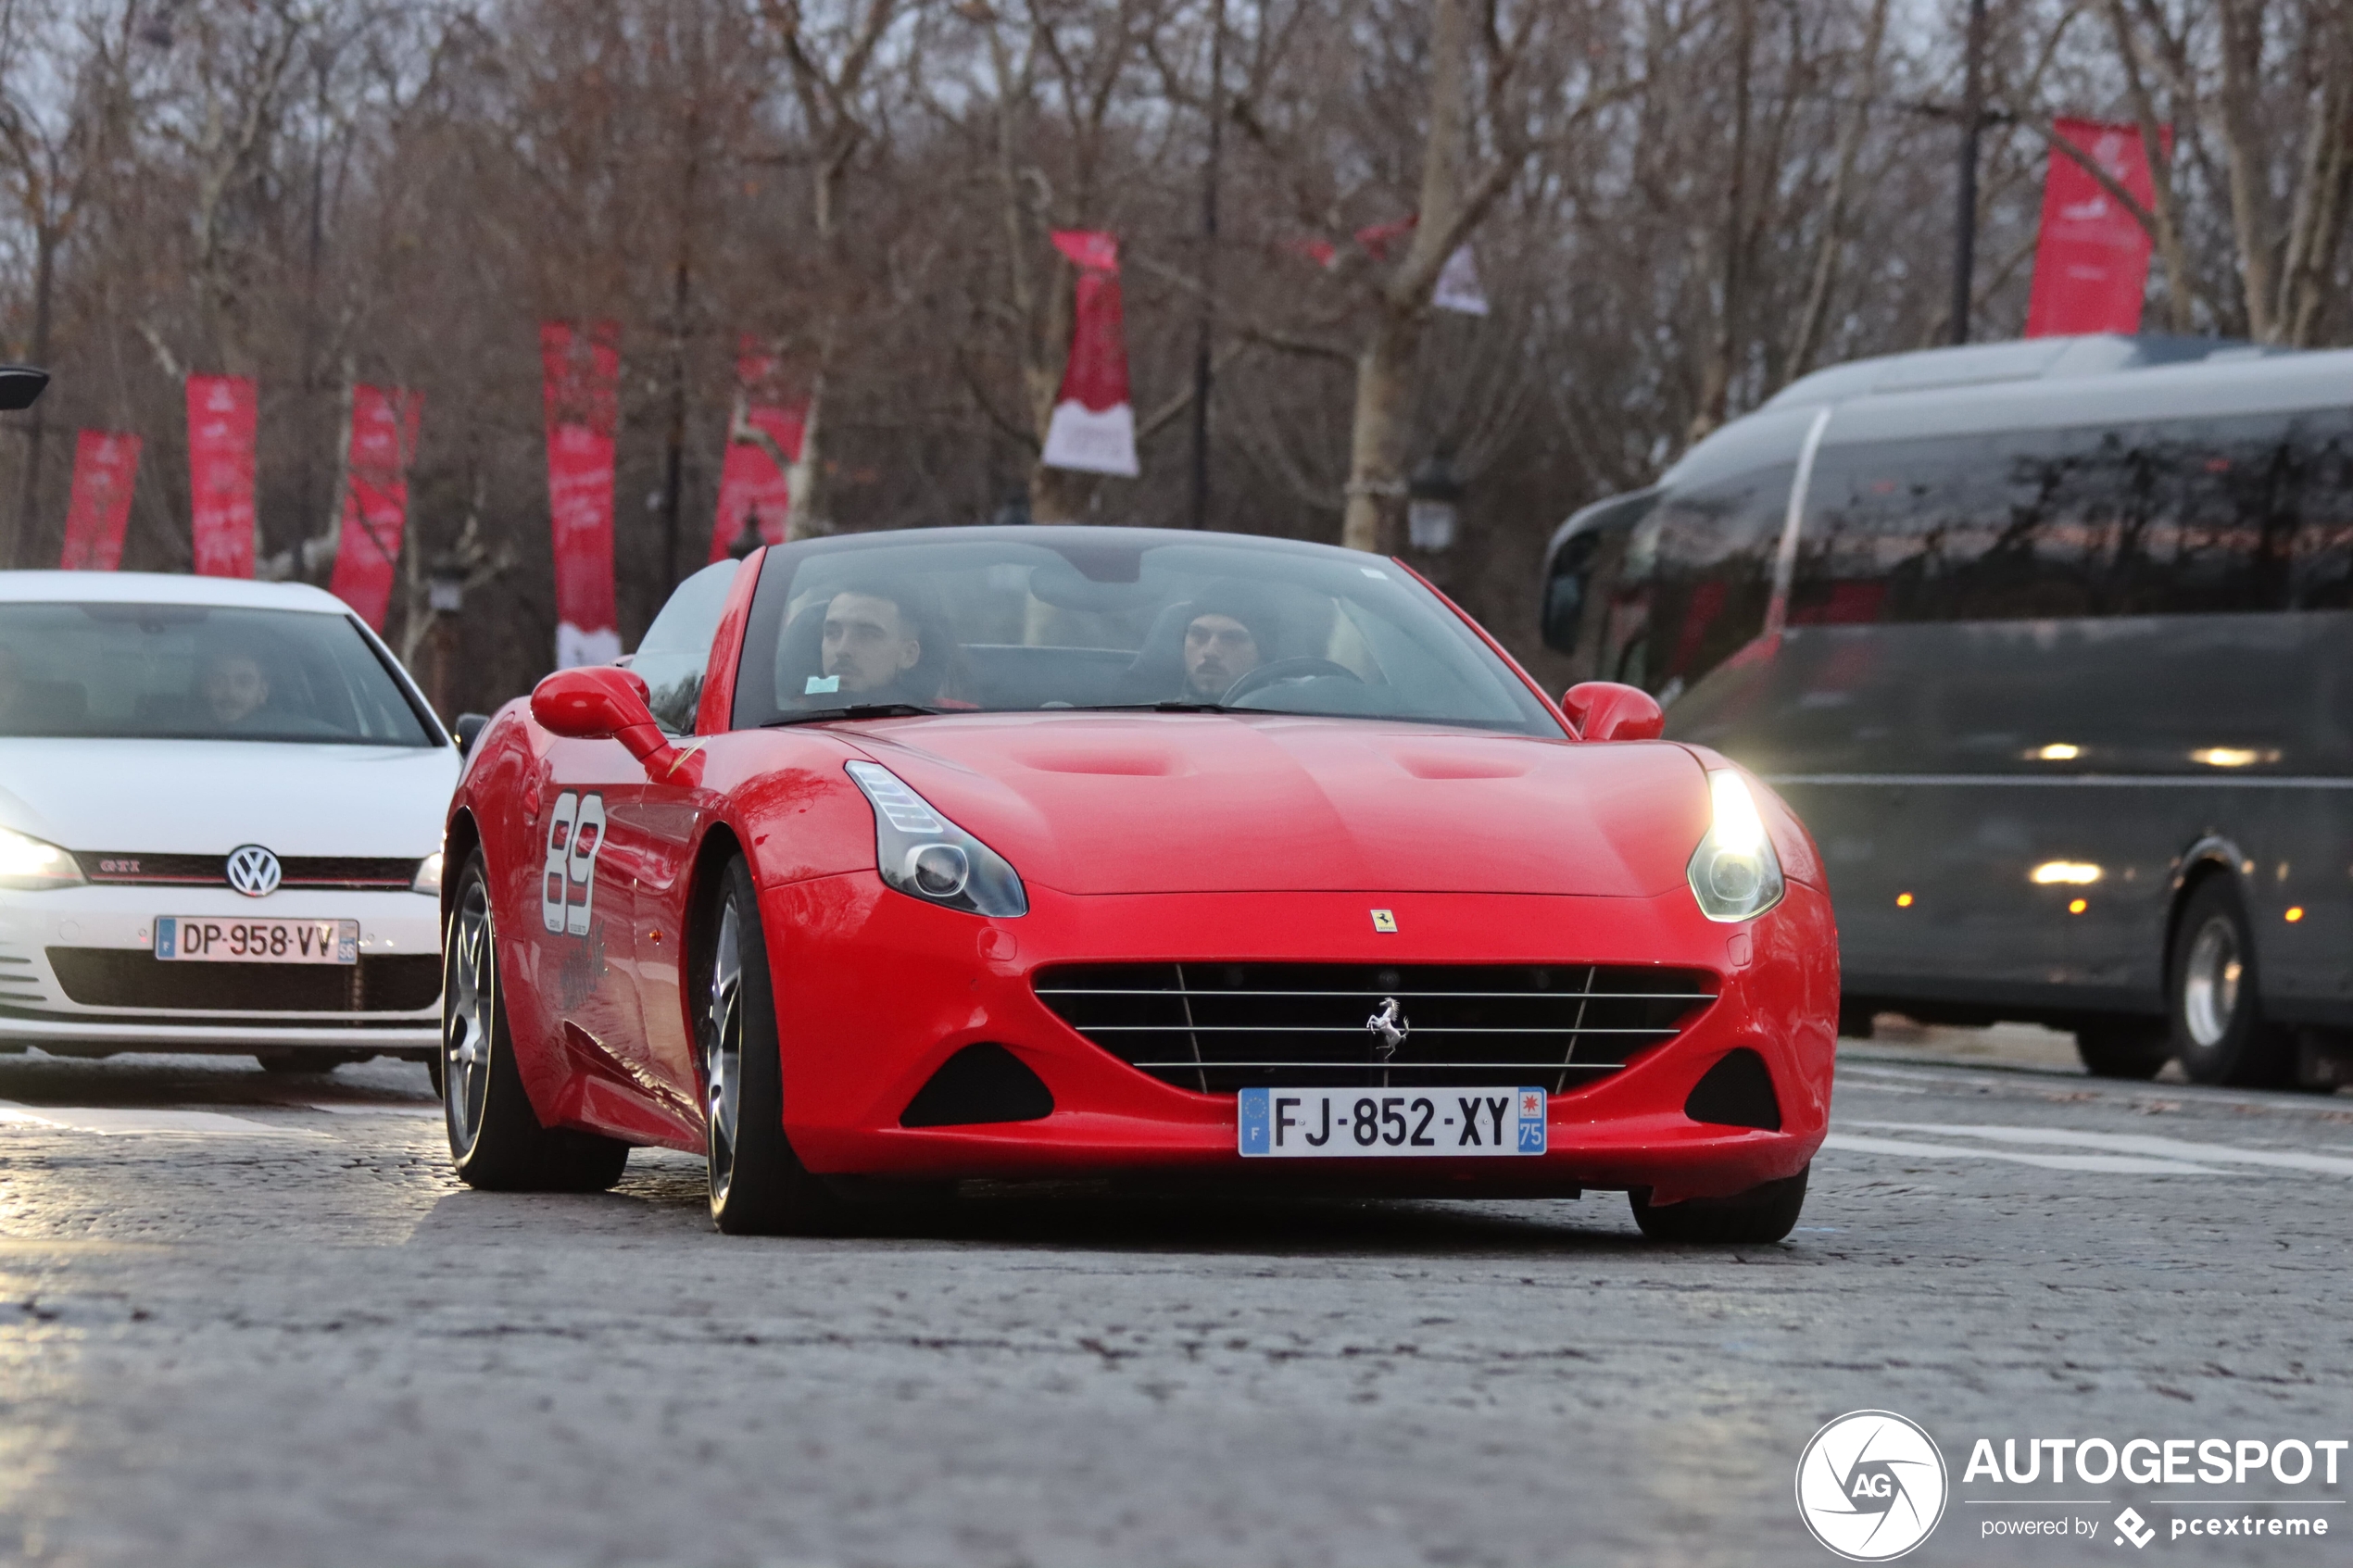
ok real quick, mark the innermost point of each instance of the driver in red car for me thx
(883, 642)
(1231, 629)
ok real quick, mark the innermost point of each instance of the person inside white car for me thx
(232, 685)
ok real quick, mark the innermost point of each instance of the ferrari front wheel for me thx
(757, 1184)
(496, 1140)
(1762, 1214)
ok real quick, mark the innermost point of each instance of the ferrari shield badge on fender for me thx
(1385, 920)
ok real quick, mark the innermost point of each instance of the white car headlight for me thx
(29, 865)
(1735, 873)
(922, 853)
(428, 876)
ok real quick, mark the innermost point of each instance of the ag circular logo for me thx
(1871, 1486)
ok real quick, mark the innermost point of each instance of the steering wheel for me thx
(1283, 670)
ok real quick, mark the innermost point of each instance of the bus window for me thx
(2320, 565)
(1699, 571)
(2183, 518)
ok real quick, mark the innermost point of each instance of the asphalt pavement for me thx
(252, 1320)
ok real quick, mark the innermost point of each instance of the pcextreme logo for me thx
(1871, 1486)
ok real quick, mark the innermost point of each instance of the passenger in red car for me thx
(1229, 635)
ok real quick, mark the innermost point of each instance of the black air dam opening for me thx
(1736, 1092)
(982, 1083)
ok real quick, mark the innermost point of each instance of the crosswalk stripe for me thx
(111, 1121)
(2111, 1164)
(2130, 1143)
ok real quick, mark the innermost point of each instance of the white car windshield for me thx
(1002, 620)
(196, 672)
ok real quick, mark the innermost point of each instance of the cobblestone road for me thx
(252, 1321)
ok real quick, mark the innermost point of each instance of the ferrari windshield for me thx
(196, 672)
(1016, 619)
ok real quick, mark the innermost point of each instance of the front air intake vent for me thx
(1220, 1027)
(1736, 1092)
(983, 1082)
(131, 977)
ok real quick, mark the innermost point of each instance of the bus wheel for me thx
(2218, 1026)
(2125, 1047)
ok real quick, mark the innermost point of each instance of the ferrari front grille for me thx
(1220, 1027)
(131, 977)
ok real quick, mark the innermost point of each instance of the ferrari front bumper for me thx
(876, 990)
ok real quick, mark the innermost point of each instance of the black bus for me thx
(2051, 644)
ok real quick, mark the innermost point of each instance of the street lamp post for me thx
(1433, 505)
(445, 598)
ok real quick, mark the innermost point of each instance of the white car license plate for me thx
(196, 939)
(1390, 1123)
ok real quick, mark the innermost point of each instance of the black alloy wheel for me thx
(1762, 1214)
(495, 1141)
(757, 1184)
(2213, 996)
(2124, 1046)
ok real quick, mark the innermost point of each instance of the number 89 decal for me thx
(567, 882)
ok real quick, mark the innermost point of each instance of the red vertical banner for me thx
(376, 497)
(222, 417)
(1093, 428)
(2092, 259)
(582, 366)
(751, 482)
(106, 467)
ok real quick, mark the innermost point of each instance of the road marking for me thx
(2130, 1143)
(409, 1108)
(110, 1120)
(2109, 1164)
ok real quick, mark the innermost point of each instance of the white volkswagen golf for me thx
(220, 809)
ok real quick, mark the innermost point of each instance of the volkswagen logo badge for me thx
(254, 872)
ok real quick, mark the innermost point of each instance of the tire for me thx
(2126, 1047)
(758, 1186)
(1761, 1214)
(495, 1141)
(2213, 997)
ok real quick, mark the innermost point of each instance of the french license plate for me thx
(196, 939)
(1389, 1123)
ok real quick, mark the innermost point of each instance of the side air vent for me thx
(1736, 1092)
(983, 1082)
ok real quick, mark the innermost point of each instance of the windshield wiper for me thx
(1160, 708)
(854, 710)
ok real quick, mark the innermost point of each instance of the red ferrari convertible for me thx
(1029, 853)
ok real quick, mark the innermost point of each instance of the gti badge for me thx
(1388, 1027)
(254, 872)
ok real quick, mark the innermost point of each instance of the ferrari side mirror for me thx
(1610, 710)
(22, 386)
(600, 702)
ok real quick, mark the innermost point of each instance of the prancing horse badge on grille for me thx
(1385, 920)
(1388, 1027)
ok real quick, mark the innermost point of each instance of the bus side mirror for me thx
(22, 386)
(1611, 710)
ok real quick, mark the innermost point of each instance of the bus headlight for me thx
(1735, 873)
(923, 855)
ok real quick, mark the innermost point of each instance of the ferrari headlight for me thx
(29, 865)
(922, 853)
(428, 876)
(1735, 875)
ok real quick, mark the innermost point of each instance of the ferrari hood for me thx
(1201, 803)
